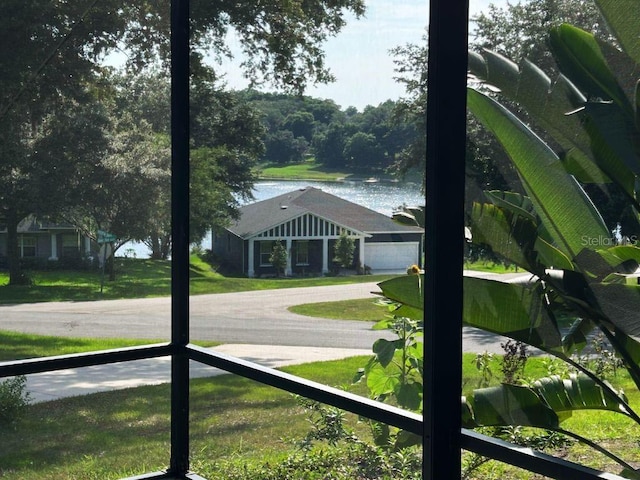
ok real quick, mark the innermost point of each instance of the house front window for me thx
(265, 252)
(302, 253)
(27, 246)
(70, 245)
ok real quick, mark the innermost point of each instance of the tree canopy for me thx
(56, 75)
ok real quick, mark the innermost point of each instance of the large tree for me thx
(54, 65)
(225, 139)
(48, 119)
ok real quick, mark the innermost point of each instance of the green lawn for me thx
(364, 309)
(311, 170)
(139, 278)
(234, 422)
(489, 266)
(17, 346)
(126, 432)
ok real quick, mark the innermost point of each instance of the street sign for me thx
(106, 237)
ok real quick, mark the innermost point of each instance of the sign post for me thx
(105, 239)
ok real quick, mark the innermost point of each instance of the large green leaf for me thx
(584, 168)
(622, 19)
(580, 58)
(624, 258)
(512, 310)
(578, 392)
(510, 405)
(547, 103)
(544, 403)
(514, 202)
(385, 350)
(620, 304)
(406, 289)
(564, 209)
(552, 257)
(383, 381)
(576, 338)
(614, 143)
(510, 236)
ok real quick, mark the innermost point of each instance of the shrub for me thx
(14, 400)
(330, 450)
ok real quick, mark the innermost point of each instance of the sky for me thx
(359, 55)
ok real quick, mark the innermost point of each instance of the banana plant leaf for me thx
(592, 263)
(509, 405)
(547, 184)
(406, 289)
(620, 304)
(510, 236)
(578, 392)
(551, 256)
(623, 24)
(576, 338)
(580, 58)
(614, 144)
(544, 404)
(514, 202)
(583, 168)
(547, 103)
(625, 258)
(515, 311)
(521, 205)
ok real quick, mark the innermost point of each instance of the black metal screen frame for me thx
(440, 425)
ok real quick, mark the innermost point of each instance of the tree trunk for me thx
(160, 246)
(166, 247)
(154, 245)
(16, 276)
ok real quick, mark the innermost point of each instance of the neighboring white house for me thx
(309, 221)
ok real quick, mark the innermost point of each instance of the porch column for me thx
(87, 246)
(325, 255)
(251, 261)
(288, 271)
(361, 240)
(54, 247)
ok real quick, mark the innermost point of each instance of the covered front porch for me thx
(308, 240)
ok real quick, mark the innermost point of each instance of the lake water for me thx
(383, 197)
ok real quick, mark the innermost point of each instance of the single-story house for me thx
(309, 222)
(44, 239)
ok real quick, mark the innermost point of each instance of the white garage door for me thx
(391, 256)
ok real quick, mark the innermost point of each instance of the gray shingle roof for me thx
(260, 216)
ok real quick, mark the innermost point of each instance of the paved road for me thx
(253, 325)
(255, 317)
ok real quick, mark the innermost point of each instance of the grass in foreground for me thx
(126, 432)
(18, 346)
(140, 278)
(234, 422)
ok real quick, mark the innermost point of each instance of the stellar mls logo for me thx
(602, 241)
